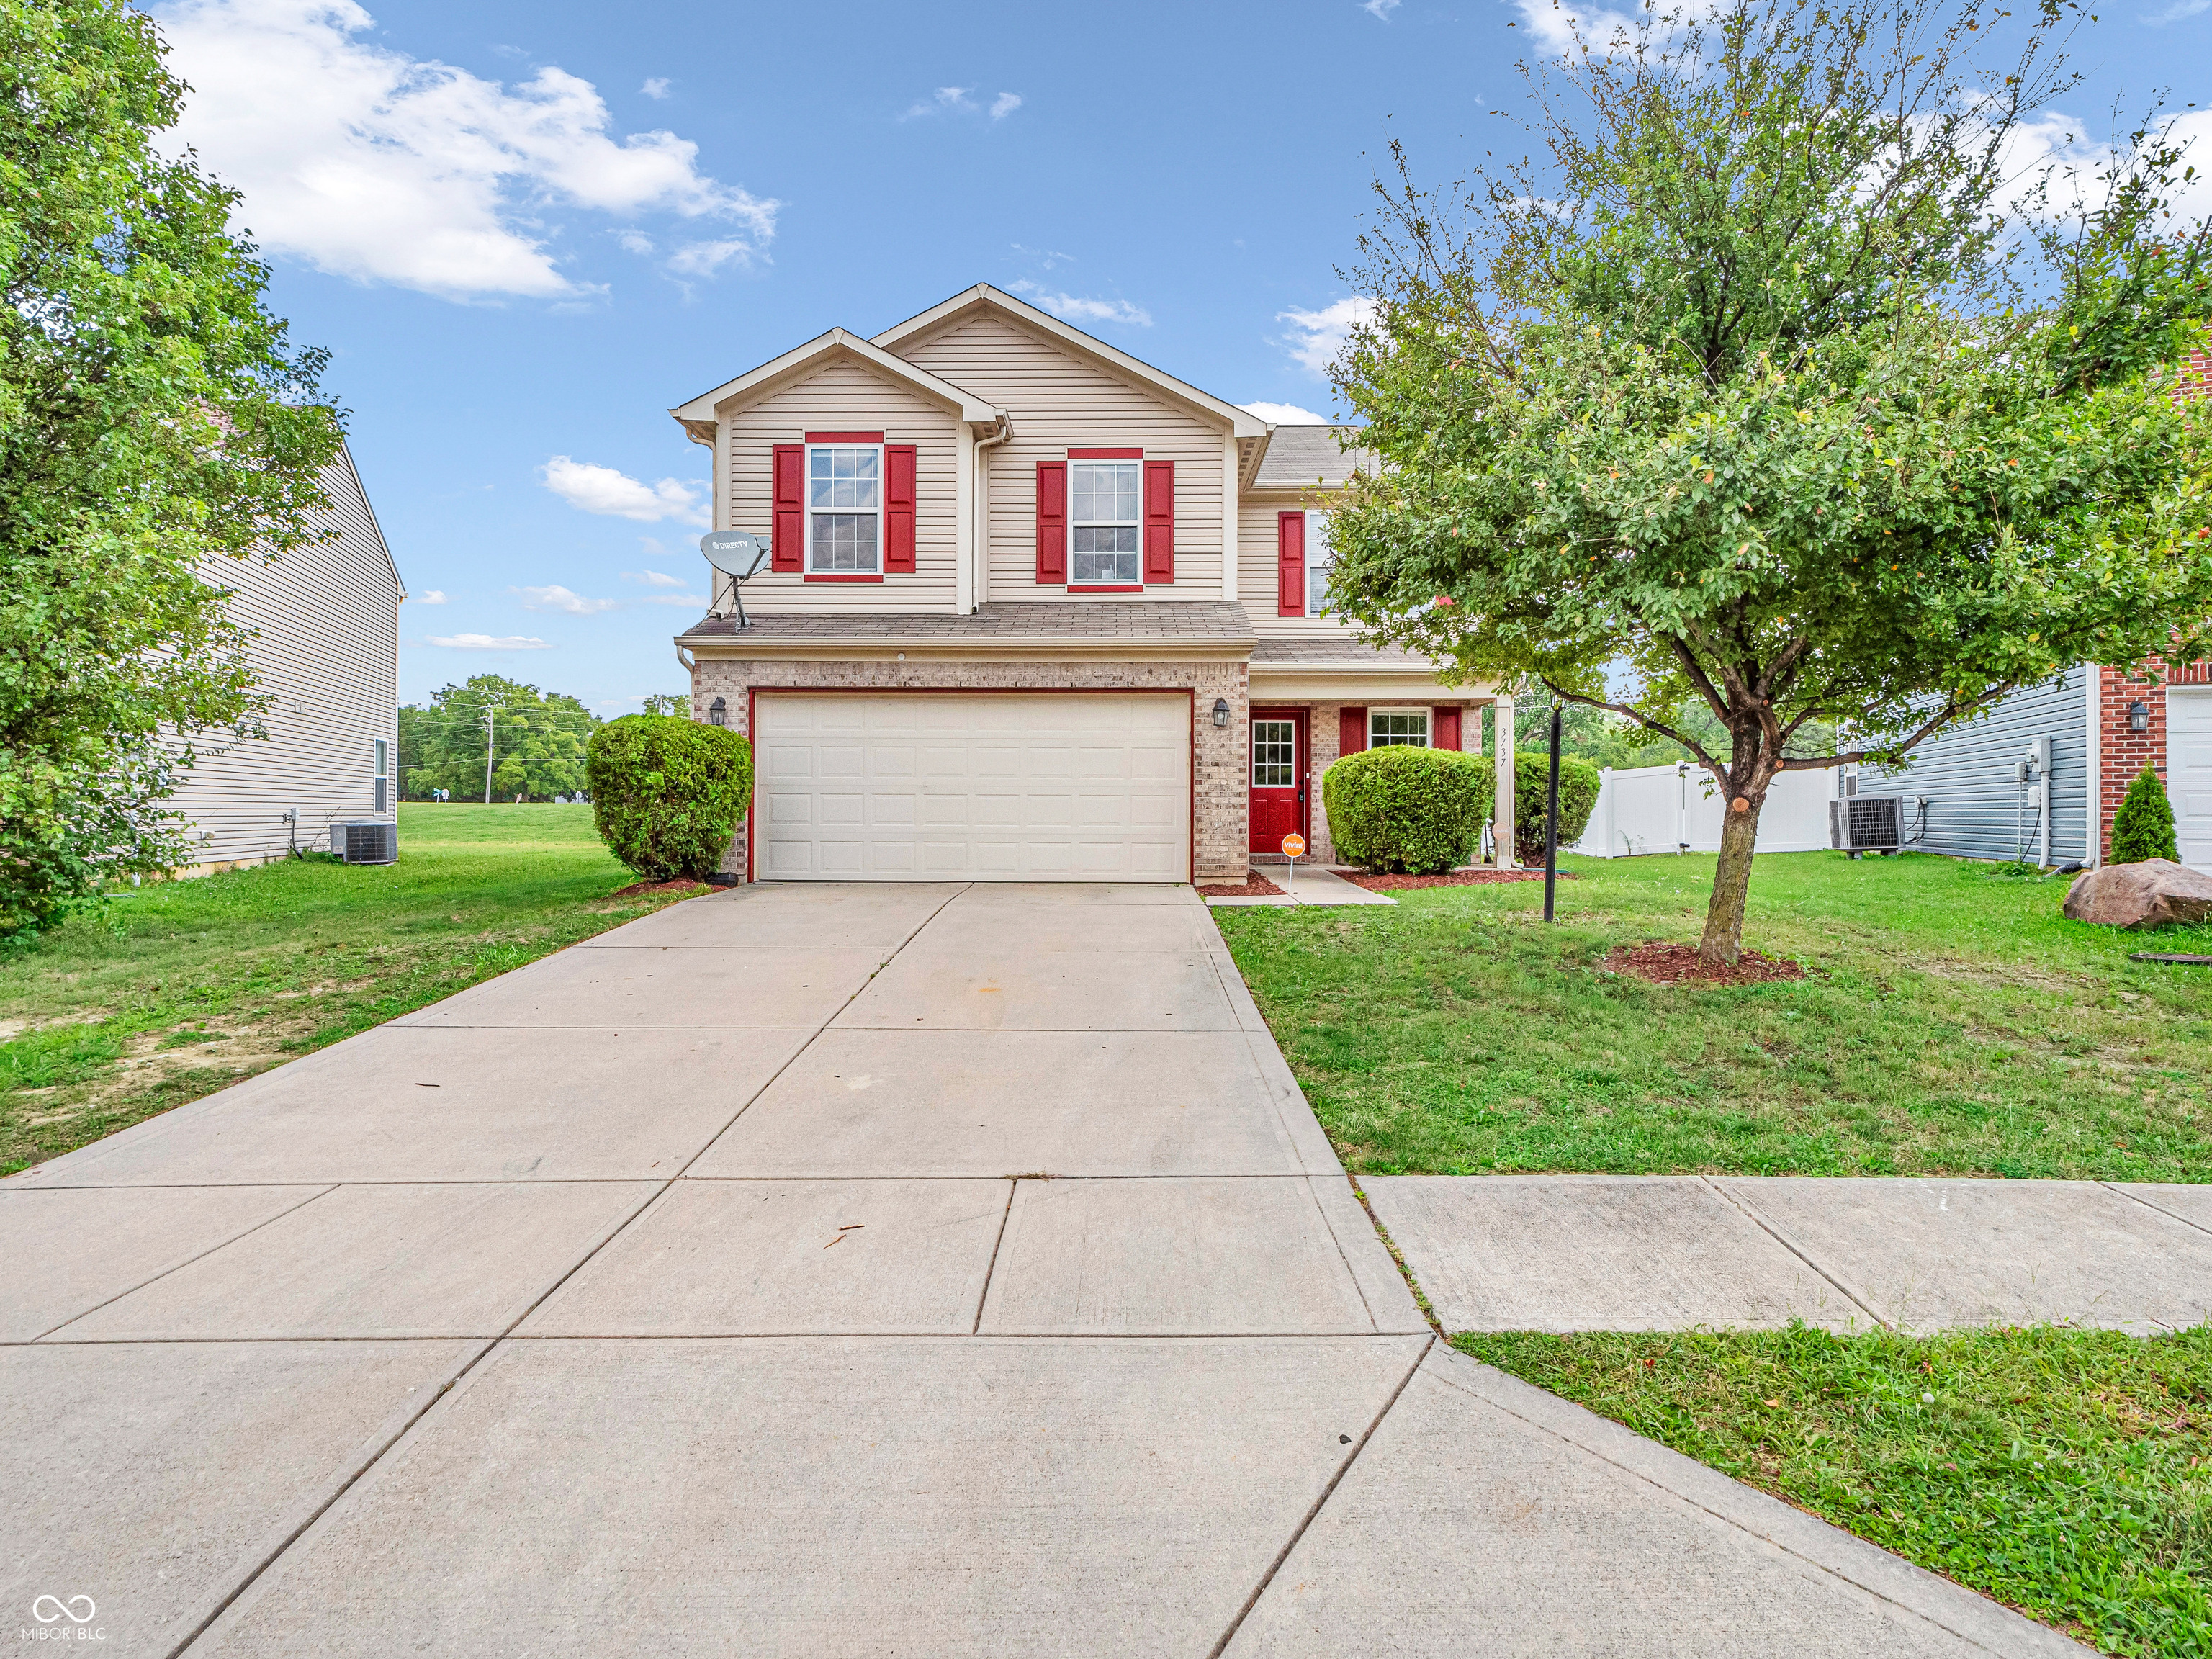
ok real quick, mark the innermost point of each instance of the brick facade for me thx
(2122, 753)
(1220, 756)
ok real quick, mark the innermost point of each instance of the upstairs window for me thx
(1105, 514)
(844, 509)
(1407, 727)
(1319, 557)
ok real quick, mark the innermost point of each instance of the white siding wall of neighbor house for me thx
(1058, 400)
(1975, 808)
(1256, 556)
(326, 650)
(849, 396)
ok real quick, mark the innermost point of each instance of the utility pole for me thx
(488, 747)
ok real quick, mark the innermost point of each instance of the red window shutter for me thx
(898, 508)
(788, 525)
(1052, 521)
(1159, 521)
(1444, 728)
(1290, 564)
(1350, 731)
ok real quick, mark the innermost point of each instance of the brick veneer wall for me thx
(1221, 750)
(2122, 753)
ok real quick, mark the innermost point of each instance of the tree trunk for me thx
(1723, 940)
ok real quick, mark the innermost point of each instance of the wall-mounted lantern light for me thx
(1221, 711)
(718, 712)
(2139, 716)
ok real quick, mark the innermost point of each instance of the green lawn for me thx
(2067, 1473)
(184, 988)
(1952, 1022)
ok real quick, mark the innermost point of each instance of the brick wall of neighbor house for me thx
(2122, 754)
(1326, 738)
(1220, 826)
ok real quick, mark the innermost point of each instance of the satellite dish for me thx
(736, 553)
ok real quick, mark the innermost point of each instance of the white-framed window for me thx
(380, 773)
(1274, 754)
(1320, 558)
(845, 509)
(1105, 524)
(1407, 726)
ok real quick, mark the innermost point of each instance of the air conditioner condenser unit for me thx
(365, 841)
(1866, 823)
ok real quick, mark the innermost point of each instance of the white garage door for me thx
(1013, 786)
(2188, 772)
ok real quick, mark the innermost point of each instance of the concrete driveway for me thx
(925, 1269)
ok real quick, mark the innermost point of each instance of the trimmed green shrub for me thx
(1400, 809)
(1578, 787)
(2143, 827)
(667, 793)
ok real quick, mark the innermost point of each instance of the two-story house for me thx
(1036, 610)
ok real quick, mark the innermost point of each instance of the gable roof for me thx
(702, 411)
(1243, 424)
(352, 475)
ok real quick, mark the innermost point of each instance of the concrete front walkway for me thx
(1661, 1253)
(928, 1270)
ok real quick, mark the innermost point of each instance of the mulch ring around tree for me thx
(646, 888)
(1679, 964)
(1254, 885)
(1375, 884)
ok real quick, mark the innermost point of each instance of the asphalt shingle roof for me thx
(1345, 652)
(1305, 456)
(1004, 619)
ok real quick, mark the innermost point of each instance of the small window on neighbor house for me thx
(383, 774)
(1105, 510)
(844, 509)
(1320, 558)
(1407, 726)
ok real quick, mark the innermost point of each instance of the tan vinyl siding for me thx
(327, 648)
(847, 396)
(1058, 400)
(1255, 569)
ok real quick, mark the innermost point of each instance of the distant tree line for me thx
(1605, 739)
(535, 743)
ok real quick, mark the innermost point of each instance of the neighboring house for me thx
(1036, 610)
(2102, 727)
(326, 648)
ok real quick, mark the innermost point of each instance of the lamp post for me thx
(1552, 818)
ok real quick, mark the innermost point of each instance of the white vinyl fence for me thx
(1668, 808)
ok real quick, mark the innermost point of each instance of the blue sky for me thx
(525, 231)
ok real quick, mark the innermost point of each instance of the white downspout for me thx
(980, 506)
(2092, 854)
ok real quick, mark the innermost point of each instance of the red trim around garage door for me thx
(1188, 693)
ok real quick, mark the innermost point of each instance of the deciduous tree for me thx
(1775, 381)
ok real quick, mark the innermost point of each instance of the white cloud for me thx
(656, 88)
(1007, 102)
(1286, 414)
(486, 642)
(705, 258)
(948, 100)
(633, 242)
(1320, 335)
(1046, 256)
(602, 489)
(560, 599)
(2051, 148)
(655, 579)
(1070, 308)
(431, 596)
(2176, 12)
(367, 163)
(1380, 10)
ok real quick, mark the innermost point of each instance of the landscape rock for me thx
(2151, 894)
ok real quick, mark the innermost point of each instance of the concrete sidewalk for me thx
(828, 1270)
(1656, 1253)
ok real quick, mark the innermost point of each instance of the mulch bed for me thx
(1679, 964)
(644, 889)
(1253, 886)
(1450, 878)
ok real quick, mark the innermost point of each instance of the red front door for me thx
(1278, 777)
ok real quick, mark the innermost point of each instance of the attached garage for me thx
(2189, 771)
(1016, 786)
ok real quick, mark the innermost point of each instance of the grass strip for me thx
(2067, 1473)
